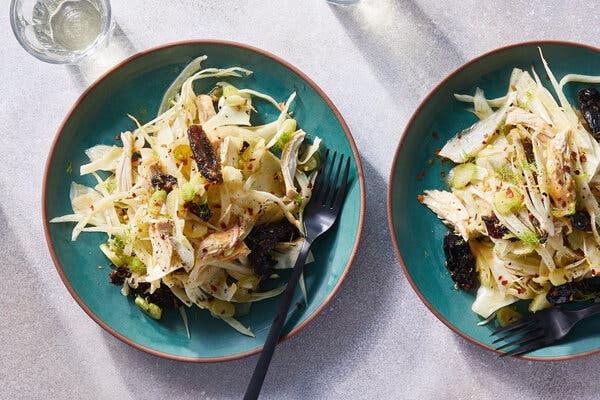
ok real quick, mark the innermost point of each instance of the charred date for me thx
(581, 220)
(204, 155)
(201, 210)
(585, 290)
(263, 239)
(245, 145)
(164, 182)
(118, 275)
(494, 228)
(589, 103)
(528, 147)
(460, 261)
(162, 297)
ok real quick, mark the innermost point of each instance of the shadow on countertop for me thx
(344, 328)
(402, 43)
(34, 341)
(537, 379)
(117, 48)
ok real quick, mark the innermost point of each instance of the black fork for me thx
(320, 214)
(541, 329)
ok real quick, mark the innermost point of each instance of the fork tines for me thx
(526, 335)
(327, 192)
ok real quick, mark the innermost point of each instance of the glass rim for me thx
(14, 24)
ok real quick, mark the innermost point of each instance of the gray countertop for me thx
(376, 60)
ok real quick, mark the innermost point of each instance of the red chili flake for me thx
(134, 195)
(593, 272)
(519, 290)
(213, 288)
(420, 198)
(92, 207)
(206, 186)
(435, 135)
(566, 168)
(310, 185)
(444, 160)
(223, 225)
(205, 250)
(421, 175)
(522, 197)
(437, 151)
(504, 283)
(509, 193)
(162, 236)
(483, 143)
(583, 158)
(443, 174)
(566, 277)
(547, 78)
(117, 137)
(459, 136)
(250, 211)
(222, 312)
(217, 206)
(500, 278)
(250, 166)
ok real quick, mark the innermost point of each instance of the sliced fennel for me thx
(190, 238)
(523, 172)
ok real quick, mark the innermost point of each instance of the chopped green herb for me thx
(69, 168)
(508, 174)
(282, 141)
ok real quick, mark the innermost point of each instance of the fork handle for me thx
(587, 312)
(262, 366)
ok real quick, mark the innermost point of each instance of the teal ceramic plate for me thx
(136, 87)
(417, 233)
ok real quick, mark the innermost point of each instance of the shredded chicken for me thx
(518, 116)
(561, 185)
(206, 109)
(449, 209)
(162, 247)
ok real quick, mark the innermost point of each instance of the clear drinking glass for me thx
(60, 31)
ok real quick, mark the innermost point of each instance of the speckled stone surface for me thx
(376, 60)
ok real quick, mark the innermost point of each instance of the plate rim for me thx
(117, 67)
(408, 126)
